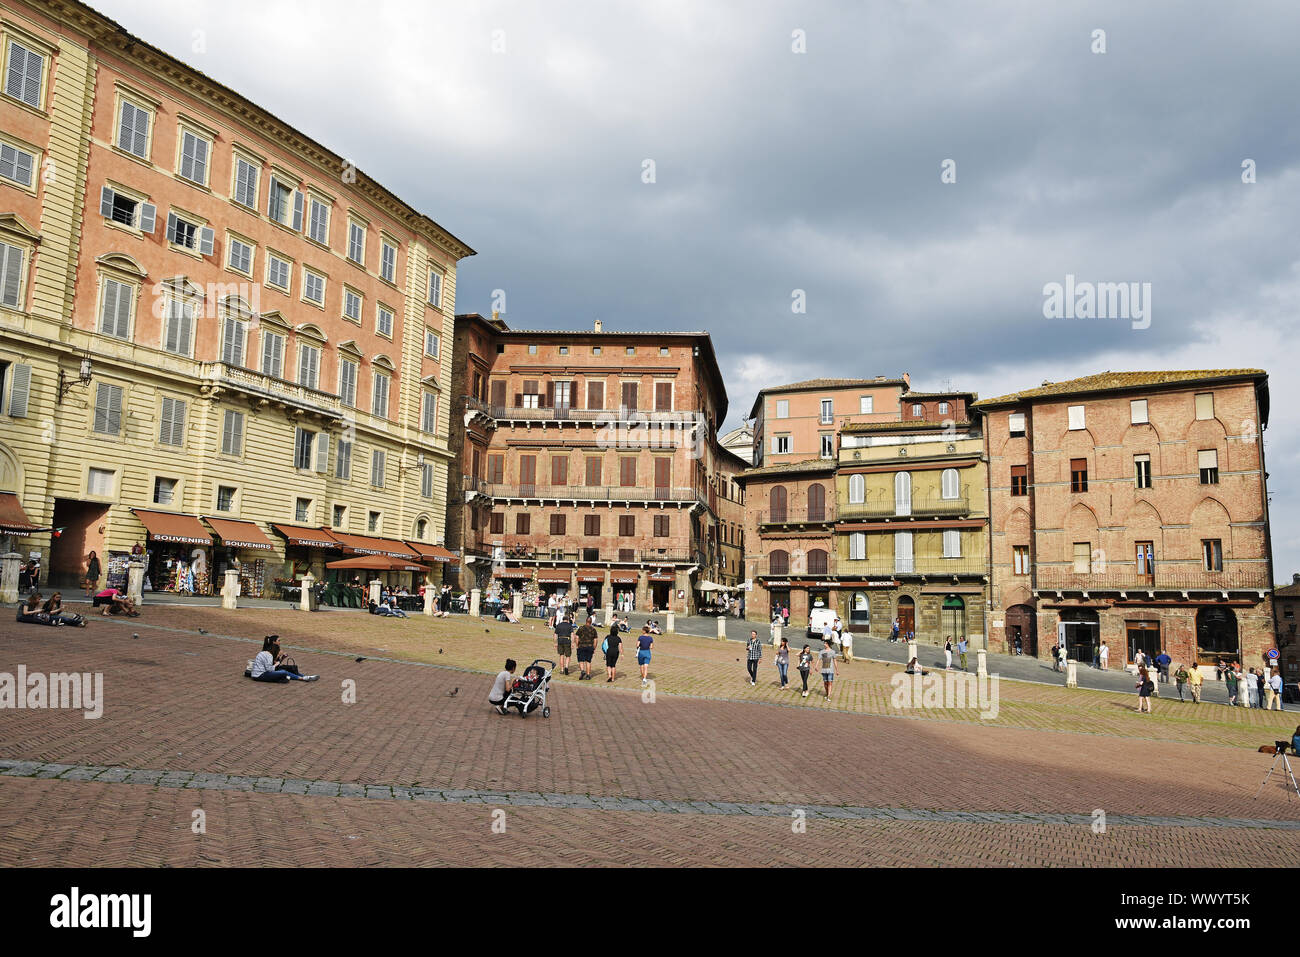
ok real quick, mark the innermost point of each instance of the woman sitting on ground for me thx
(913, 668)
(30, 613)
(266, 666)
(58, 614)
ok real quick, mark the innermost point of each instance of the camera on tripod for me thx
(1281, 746)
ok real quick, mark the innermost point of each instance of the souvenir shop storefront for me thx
(244, 547)
(591, 581)
(178, 557)
(661, 591)
(305, 550)
(507, 581)
(554, 581)
(624, 586)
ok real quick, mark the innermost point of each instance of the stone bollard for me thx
(609, 615)
(135, 582)
(304, 596)
(375, 589)
(982, 663)
(10, 562)
(430, 593)
(517, 605)
(474, 597)
(911, 651)
(230, 591)
(776, 636)
(670, 625)
(722, 627)
(1071, 673)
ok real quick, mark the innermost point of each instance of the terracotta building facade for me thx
(1130, 509)
(801, 421)
(588, 465)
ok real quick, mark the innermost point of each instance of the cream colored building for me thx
(205, 317)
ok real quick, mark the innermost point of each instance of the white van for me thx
(819, 618)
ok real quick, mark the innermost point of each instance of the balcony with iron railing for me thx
(599, 493)
(272, 388)
(796, 516)
(1246, 576)
(675, 417)
(886, 507)
(526, 551)
(813, 566)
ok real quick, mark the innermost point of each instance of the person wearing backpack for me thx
(1056, 658)
(1144, 688)
(611, 646)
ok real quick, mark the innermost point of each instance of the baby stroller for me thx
(530, 689)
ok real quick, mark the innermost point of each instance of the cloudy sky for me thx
(524, 128)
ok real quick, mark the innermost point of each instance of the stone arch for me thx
(11, 470)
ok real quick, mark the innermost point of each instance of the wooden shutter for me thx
(297, 210)
(776, 499)
(171, 227)
(626, 526)
(663, 475)
(629, 395)
(106, 196)
(559, 470)
(816, 503)
(528, 470)
(593, 471)
(595, 395)
(148, 217)
(663, 396)
(496, 469)
(550, 395)
(20, 390)
(11, 274)
(627, 471)
(498, 389)
(206, 238)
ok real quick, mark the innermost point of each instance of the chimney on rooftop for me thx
(1295, 579)
(907, 380)
(598, 325)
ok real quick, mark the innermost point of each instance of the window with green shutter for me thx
(108, 409)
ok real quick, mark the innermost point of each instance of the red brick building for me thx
(1130, 508)
(588, 464)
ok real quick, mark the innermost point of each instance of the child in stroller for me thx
(529, 690)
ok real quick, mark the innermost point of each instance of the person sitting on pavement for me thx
(267, 666)
(653, 627)
(31, 613)
(914, 668)
(501, 686)
(58, 614)
(114, 602)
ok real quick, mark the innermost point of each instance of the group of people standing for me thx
(826, 658)
(585, 636)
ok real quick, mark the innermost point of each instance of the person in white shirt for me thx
(1105, 655)
(266, 666)
(828, 633)
(501, 686)
(1275, 686)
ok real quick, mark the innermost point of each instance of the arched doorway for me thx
(860, 610)
(816, 503)
(1216, 636)
(1022, 623)
(953, 618)
(906, 617)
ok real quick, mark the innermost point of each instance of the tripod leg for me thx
(1291, 774)
(1270, 773)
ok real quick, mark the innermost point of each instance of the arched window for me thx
(421, 527)
(817, 563)
(860, 609)
(778, 562)
(857, 489)
(776, 503)
(903, 493)
(951, 484)
(816, 503)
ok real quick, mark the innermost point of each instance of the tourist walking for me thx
(1105, 656)
(586, 636)
(1144, 688)
(1275, 691)
(1252, 688)
(1194, 680)
(1163, 661)
(753, 655)
(93, 570)
(846, 644)
(805, 665)
(783, 662)
(1230, 682)
(829, 668)
(1180, 679)
(563, 640)
(613, 643)
(893, 631)
(947, 653)
(1062, 654)
(644, 643)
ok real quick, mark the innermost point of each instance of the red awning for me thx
(661, 578)
(435, 552)
(13, 520)
(365, 545)
(513, 573)
(378, 563)
(173, 527)
(554, 575)
(591, 575)
(236, 534)
(306, 537)
(623, 578)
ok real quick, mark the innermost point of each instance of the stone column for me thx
(135, 582)
(375, 589)
(517, 605)
(722, 627)
(670, 624)
(776, 636)
(430, 593)
(1071, 673)
(230, 591)
(609, 615)
(304, 597)
(982, 664)
(474, 596)
(911, 651)
(10, 562)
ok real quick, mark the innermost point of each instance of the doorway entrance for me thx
(660, 594)
(906, 618)
(81, 523)
(1079, 630)
(1021, 623)
(1143, 636)
(954, 618)
(860, 610)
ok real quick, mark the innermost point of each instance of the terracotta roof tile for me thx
(1117, 381)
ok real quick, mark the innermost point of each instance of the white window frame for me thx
(354, 228)
(951, 543)
(387, 263)
(119, 117)
(378, 466)
(349, 369)
(233, 241)
(308, 275)
(306, 349)
(380, 311)
(205, 162)
(186, 316)
(950, 482)
(29, 50)
(276, 356)
(1016, 424)
(431, 337)
(380, 385)
(19, 151)
(857, 546)
(252, 182)
(782, 409)
(825, 416)
(14, 262)
(857, 489)
(271, 259)
(318, 220)
(435, 288)
(351, 296)
(866, 404)
(171, 421)
(232, 432)
(124, 289)
(429, 413)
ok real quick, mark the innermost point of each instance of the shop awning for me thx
(661, 578)
(237, 534)
(306, 537)
(172, 527)
(365, 545)
(588, 575)
(433, 552)
(378, 563)
(13, 520)
(554, 575)
(952, 589)
(623, 578)
(513, 572)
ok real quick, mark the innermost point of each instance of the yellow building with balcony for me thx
(911, 533)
